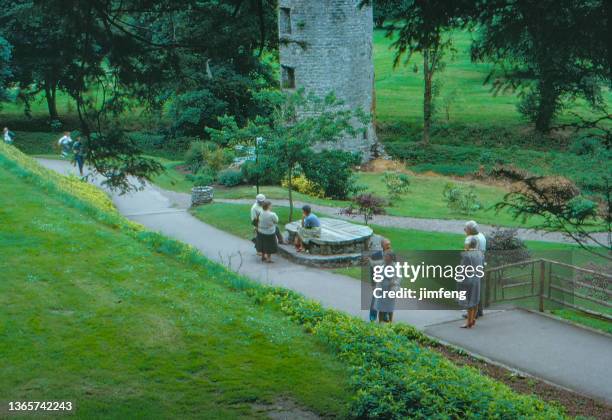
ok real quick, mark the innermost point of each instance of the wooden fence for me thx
(546, 280)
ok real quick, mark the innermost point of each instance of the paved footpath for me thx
(572, 357)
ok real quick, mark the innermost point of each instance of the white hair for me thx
(471, 226)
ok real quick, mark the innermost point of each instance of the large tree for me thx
(5, 69)
(422, 26)
(39, 58)
(297, 124)
(116, 57)
(552, 51)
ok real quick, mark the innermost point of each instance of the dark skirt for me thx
(266, 243)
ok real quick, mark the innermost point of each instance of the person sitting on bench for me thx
(310, 228)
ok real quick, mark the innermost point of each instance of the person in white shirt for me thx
(471, 231)
(266, 232)
(65, 143)
(9, 136)
(256, 208)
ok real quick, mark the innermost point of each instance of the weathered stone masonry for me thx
(325, 46)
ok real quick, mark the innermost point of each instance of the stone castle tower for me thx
(326, 46)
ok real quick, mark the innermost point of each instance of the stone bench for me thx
(337, 237)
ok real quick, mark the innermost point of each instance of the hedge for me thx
(393, 374)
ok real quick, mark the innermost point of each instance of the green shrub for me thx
(461, 199)
(457, 149)
(207, 154)
(264, 172)
(397, 184)
(158, 144)
(230, 177)
(205, 177)
(333, 171)
(585, 146)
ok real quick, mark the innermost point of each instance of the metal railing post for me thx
(542, 277)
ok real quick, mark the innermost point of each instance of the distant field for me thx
(399, 92)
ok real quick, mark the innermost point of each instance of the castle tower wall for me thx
(326, 46)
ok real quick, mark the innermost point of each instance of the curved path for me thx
(428, 225)
(560, 353)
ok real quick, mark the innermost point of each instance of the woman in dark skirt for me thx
(266, 232)
(471, 284)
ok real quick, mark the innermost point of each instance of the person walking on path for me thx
(266, 232)
(65, 144)
(473, 262)
(79, 154)
(9, 136)
(471, 231)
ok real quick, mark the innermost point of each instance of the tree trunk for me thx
(50, 94)
(290, 188)
(547, 106)
(427, 76)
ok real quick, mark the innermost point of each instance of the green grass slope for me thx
(94, 316)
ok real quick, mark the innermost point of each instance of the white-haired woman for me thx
(266, 232)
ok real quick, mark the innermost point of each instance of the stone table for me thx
(337, 237)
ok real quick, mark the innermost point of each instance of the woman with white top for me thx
(266, 232)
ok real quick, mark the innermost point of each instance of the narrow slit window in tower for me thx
(285, 20)
(287, 77)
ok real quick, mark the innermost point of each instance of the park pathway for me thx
(560, 353)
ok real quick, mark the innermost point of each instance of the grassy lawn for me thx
(135, 333)
(234, 218)
(424, 199)
(399, 92)
(584, 319)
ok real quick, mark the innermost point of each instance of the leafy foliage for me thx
(5, 68)
(333, 171)
(305, 186)
(366, 205)
(552, 51)
(203, 154)
(298, 122)
(562, 207)
(397, 184)
(422, 27)
(505, 247)
(461, 199)
(230, 177)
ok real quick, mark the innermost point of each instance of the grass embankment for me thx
(73, 322)
(94, 316)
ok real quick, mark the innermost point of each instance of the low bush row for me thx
(393, 375)
(463, 160)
